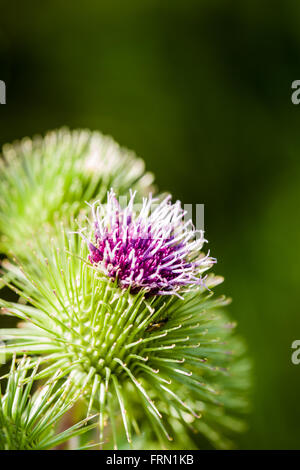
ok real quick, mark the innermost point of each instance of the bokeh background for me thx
(202, 91)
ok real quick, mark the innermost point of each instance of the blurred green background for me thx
(202, 91)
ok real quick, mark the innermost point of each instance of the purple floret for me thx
(151, 248)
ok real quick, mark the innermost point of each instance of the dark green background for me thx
(202, 91)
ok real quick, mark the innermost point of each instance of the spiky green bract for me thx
(161, 359)
(28, 422)
(55, 175)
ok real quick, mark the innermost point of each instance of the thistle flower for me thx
(153, 249)
(153, 359)
(46, 179)
(28, 422)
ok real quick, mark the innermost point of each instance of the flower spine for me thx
(27, 421)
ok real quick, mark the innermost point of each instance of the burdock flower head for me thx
(149, 246)
(121, 317)
(133, 326)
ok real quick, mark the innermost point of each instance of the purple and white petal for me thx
(152, 247)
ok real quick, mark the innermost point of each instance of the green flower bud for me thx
(28, 422)
(45, 179)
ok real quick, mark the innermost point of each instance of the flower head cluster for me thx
(112, 328)
(153, 247)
